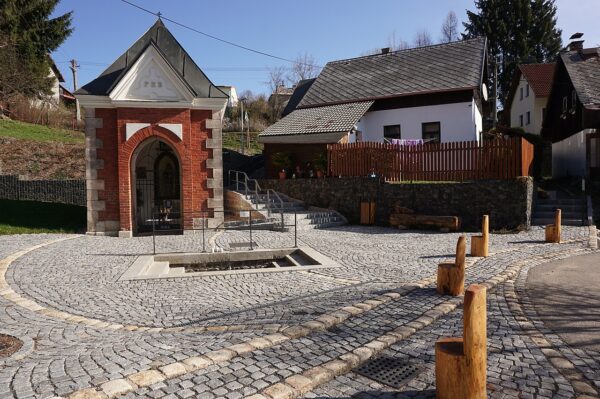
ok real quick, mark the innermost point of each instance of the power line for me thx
(159, 15)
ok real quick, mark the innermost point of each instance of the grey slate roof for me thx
(338, 118)
(444, 67)
(584, 71)
(297, 96)
(159, 36)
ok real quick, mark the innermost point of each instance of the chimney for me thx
(576, 44)
(385, 50)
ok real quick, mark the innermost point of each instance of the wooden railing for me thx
(456, 161)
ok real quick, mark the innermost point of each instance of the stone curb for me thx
(26, 349)
(318, 375)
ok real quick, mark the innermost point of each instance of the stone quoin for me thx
(153, 141)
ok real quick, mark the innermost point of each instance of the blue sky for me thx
(327, 29)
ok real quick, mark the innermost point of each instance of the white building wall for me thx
(531, 104)
(458, 122)
(568, 156)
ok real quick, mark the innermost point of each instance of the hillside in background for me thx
(41, 152)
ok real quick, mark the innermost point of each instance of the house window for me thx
(527, 90)
(521, 95)
(573, 99)
(565, 104)
(391, 132)
(521, 120)
(432, 132)
(528, 117)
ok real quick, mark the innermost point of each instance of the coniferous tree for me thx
(518, 31)
(29, 35)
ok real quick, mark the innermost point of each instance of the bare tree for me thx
(396, 44)
(449, 28)
(304, 67)
(423, 38)
(277, 77)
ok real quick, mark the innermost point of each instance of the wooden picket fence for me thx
(456, 161)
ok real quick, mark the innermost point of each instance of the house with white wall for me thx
(528, 96)
(434, 93)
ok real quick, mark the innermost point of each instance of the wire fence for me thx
(72, 192)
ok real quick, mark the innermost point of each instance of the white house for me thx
(232, 93)
(529, 95)
(433, 93)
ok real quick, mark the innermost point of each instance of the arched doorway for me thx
(156, 190)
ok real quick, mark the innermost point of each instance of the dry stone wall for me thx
(508, 202)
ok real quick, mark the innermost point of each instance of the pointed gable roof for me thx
(539, 76)
(174, 54)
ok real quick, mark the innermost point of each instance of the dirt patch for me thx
(9, 345)
(42, 159)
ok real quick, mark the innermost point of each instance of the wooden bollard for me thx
(553, 230)
(451, 276)
(461, 363)
(480, 244)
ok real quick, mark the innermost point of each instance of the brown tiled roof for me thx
(539, 77)
(443, 67)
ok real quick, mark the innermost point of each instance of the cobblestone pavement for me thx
(163, 322)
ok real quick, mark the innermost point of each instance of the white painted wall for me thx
(568, 156)
(458, 122)
(531, 104)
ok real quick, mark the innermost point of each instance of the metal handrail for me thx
(257, 190)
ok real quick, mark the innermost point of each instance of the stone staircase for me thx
(574, 210)
(279, 210)
(278, 206)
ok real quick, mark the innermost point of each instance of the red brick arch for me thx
(126, 152)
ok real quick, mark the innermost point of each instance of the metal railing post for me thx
(268, 204)
(282, 222)
(153, 235)
(251, 244)
(203, 232)
(295, 229)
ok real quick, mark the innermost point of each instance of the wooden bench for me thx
(480, 244)
(460, 363)
(451, 276)
(553, 230)
(447, 223)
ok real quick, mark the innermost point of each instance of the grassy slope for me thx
(29, 131)
(26, 217)
(231, 140)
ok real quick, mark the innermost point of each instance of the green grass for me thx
(28, 217)
(231, 141)
(30, 131)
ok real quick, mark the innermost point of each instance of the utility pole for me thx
(74, 67)
(242, 121)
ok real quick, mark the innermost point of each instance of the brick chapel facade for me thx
(153, 141)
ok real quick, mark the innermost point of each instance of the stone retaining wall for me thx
(61, 191)
(508, 202)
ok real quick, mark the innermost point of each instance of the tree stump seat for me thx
(480, 244)
(461, 362)
(451, 276)
(553, 230)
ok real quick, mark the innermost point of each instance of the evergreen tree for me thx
(518, 31)
(29, 35)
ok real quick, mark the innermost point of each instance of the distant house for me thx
(573, 110)
(232, 93)
(59, 94)
(528, 96)
(434, 93)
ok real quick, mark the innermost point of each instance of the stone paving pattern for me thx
(79, 276)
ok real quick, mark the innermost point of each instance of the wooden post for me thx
(480, 244)
(460, 363)
(553, 230)
(451, 276)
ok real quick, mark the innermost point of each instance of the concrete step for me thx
(559, 201)
(553, 207)
(565, 215)
(547, 221)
